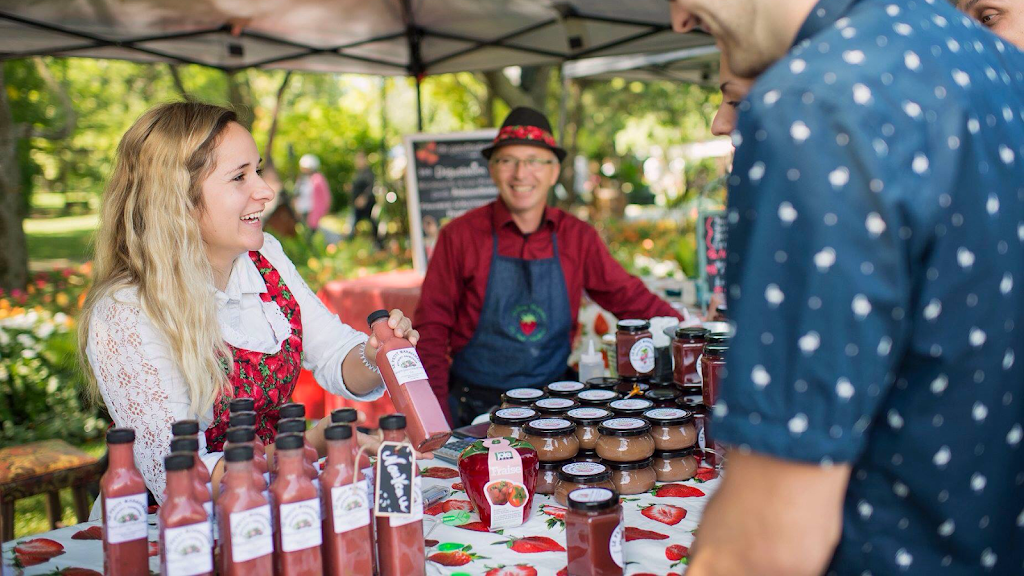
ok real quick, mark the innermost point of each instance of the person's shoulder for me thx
(117, 306)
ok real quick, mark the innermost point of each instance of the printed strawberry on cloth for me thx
(659, 529)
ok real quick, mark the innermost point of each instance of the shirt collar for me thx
(245, 278)
(824, 14)
(501, 216)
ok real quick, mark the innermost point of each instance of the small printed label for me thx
(700, 369)
(188, 550)
(524, 393)
(631, 404)
(584, 468)
(615, 545)
(641, 355)
(350, 506)
(515, 413)
(624, 423)
(554, 403)
(126, 518)
(596, 395)
(591, 495)
(588, 413)
(417, 506)
(665, 413)
(251, 533)
(505, 490)
(406, 364)
(300, 525)
(700, 438)
(550, 424)
(566, 386)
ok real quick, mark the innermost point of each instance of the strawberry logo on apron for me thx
(528, 323)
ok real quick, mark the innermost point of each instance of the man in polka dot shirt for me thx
(874, 399)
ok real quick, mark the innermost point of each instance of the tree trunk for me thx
(13, 247)
(533, 92)
(240, 97)
(270, 173)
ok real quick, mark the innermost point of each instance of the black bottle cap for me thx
(185, 428)
(241, 405)
(185, 444)
(242, 419)
(292, 410)
(238, 453)
(120, 436)
(344, 416)
(392, 422)
(338, 432)
(241, 434)
(289, 442)
(178, 462)
(377, 315)
(291, 425)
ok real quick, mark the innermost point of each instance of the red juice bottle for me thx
(400, 546)
(241, 405)
(348, 537)
(186, 541)
(407, 384)
(298, 531)
(309, 454)
(350, 416)
(200, 475)
(243, 514)
(247, 419)
(245, 436)
(125, 502)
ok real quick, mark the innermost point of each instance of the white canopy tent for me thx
(695, 65)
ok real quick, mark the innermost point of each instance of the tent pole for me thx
(419, 103)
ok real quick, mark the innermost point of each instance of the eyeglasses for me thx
(508, 164)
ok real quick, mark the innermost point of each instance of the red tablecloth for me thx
(353, 301)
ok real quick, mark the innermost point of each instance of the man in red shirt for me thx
(503, 288)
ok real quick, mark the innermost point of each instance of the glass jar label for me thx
(505, 491)
(406, 364)
(631, 404)
(700, 368)
(550, 424)
(188, 550)
(524, 393)
(665, 413)
(615, 545)
(597, 395)
(350, 506)
(516, 413)
(588, 413)
(554, 403)
(300, 525)
(126, 518)
(624, 423)
(566, 386)
(252, 534)
(584, 468)
(591, 495)
(641, 355)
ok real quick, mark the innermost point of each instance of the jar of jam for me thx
(509, 422)
(587, 420)
(627, 385)
(625, 440)
(712, 366)
(671, 428)
(553, 438)
(663, 397)
(634, 348)
(630, 407)
(576, 475)
(602, 383)
(687, 346)
(594, 533)
(597, 397)
(587, 456)
(564, 389)
(633, 477)
(547, 476)
(675, 465)
(521, 397)
(554, 407)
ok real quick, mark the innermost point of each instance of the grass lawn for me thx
(66, 238)
(30, 513)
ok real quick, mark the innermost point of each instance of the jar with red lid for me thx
(687, 346)
(634, 348)
(712, 367)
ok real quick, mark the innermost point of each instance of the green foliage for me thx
(663, 248)
(319, 262)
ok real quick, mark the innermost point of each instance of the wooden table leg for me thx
(81, 497)
(54, 511)
(6, 520)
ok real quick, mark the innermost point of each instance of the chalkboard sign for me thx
(446, 177)
(394, 480)
(712, 235)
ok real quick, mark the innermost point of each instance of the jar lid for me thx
(631, 405)
(623, 466)
(583, 416)
(554, 466)
(584, 472)
(547, 427)
(603, 382)
(513, 416)
(527, 394)
(592, 499)
(668, 416)
(692, 333)
(599, 396)
(565, 388)
(717, 338)
(662, 395)
(675, 453)
(634, 325)
(120, 436)
(688, 389)
(555, 405)
(624, 427)
(716, 349)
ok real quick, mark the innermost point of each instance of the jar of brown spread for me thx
(554, 407)
(547, 476)
(625, 440)
(675, 465)
(510, 421)
(633, 477)
(663, 397)
(587, 420)
(672, 428)
(553, 438)
(597, 397)
(564, 389)
(521, 397)
(602, 383)
(581, 475)
(630, 407)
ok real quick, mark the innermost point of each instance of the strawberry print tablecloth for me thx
(660, 527)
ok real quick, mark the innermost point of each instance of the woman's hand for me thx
(370, 444)
(403, 329)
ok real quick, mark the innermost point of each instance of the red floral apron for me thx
(266, 378)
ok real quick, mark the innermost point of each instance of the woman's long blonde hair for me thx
(149, 238)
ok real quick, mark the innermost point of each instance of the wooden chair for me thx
(44, 468)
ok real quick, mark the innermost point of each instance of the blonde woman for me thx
(192, 304)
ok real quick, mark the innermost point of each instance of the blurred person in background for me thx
(312, 193)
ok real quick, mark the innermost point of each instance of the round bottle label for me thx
(516, 413)
(632, 323)
(566, 386)
(550, 424)
(641, 355)
(524, 393)
(631, 404)
(700, 368)
(555, 403)
(665, 413)
(584, 469)
(615, 545)
(588, 413)
(591, 495)
(596, 395)
(624, 423)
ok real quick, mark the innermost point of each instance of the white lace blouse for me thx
(143, 388)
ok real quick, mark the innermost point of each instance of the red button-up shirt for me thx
(456, 280)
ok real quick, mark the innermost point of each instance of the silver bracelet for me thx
(366, 361)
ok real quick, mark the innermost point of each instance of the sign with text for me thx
(396, 465)
(712, 235)
(446, 177)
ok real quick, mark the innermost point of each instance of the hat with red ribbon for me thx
(526, 127)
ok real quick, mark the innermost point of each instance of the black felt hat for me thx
(528, 127)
